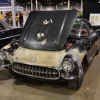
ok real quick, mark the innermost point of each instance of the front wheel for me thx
(76, 83)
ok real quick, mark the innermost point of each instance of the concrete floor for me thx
(12, 88)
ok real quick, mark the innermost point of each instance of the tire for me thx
(97, 52)
(76, 83)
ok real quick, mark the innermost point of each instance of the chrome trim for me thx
(38, 76)
(70, 77)
(10, 37)
(38, 65)
(5, 65)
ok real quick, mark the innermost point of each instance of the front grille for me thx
(36, 71)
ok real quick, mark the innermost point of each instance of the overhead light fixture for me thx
(61, 3)
(28, 3)
(65, 2)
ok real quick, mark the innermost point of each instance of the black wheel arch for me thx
(84, 62)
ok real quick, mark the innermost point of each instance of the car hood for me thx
(47, 30)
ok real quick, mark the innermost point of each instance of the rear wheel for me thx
(76, 83)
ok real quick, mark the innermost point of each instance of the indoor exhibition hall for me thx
(49, 49)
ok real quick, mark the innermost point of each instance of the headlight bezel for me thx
(2, 57)
(69, 65)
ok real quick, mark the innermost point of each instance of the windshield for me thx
(76, 29)
(79, 30)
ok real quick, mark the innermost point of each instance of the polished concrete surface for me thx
(12, 88)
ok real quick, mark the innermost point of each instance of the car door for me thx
(93, 42)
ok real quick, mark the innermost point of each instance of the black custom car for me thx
(53, 48)
(7, 33)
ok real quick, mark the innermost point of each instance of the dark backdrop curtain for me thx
(90, 8)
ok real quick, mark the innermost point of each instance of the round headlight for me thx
(2, 56)
(67, 66)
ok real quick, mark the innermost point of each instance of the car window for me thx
(1, 27)
(76, 28)
(79, 29)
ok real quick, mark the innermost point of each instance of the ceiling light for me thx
(61, 3)
(65, 2)
(28, 2)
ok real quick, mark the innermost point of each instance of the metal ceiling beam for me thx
(53, 1)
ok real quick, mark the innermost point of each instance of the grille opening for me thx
(36, 71)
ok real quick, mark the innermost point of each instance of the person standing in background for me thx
(7, 17)
(21, 19)
(17, 17)
(1, 15)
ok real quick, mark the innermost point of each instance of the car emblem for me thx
(45, 22)
(40, 35)
(33, 59)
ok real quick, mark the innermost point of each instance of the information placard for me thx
(95, 19)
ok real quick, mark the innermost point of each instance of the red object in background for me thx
(69, 44)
